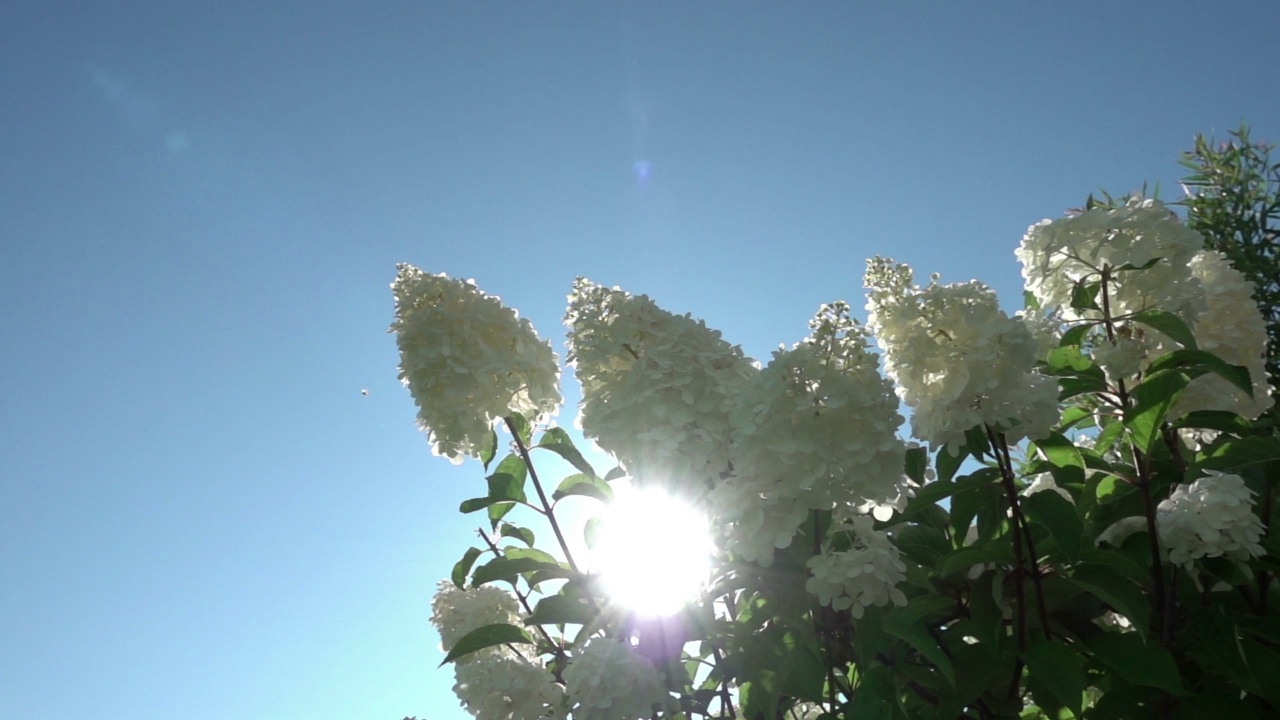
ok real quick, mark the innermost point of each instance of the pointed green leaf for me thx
(474, 504)
(463, 566)
(1075, 335)
(489, 448)
(1052, 511)
(1137, 661)
(917, 637)
(1198, 362)
(560, 610)
(586, 485)
(1117, 591)
(524, 535)
(506, 568)
(1152, 401)
(524, 430)
(558, 441)
(1061, 670)
(1084, 295)
(487, 636)
(1065, 457)
(1170, 325)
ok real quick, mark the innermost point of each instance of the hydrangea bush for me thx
(1077, 526)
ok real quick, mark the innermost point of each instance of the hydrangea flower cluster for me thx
(1211, 517)
(1231, 327)
(456, 612)
(497, 683)
(817, 428)
(657, 388)
(468, 361)
(1058, 254)
(959, 361)
(507, 686)
(609, 680)
(863, 576)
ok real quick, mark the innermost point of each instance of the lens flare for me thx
(653, 552)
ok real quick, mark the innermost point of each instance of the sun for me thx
(653, 551)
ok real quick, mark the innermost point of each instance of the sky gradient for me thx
(202, 206)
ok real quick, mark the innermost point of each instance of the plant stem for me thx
(542, 496)
(1021, 532)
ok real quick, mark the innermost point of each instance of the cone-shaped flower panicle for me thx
(507, 686)
(1231, 327)
(1056, 255)
(657, 388)
(958, 360)
(456, 612)
(609, 680)
(1211, 517)
(816, 429)
(468, 361)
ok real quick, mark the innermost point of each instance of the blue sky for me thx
(202, 205)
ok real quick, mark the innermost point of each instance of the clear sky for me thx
(202, 205)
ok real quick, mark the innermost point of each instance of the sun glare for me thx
(653, 552)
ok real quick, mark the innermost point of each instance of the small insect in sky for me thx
(364, 392)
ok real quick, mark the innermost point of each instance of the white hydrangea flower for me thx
(468, 361)
(1211, 517)
(1044, 481)
(959, 361)
(757, 517)
(863, 576)
(609, 680)
(1231, 327)
(456, 612)
(1122, 358)
(1057, 254)
(505, 686)
(657, 388)
(806, 711)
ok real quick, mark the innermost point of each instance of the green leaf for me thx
(505, 487)
(1068, 360)
(998, 551)
(921, 543)
(917, 637)
(1170, 325)
(1237, 454)
(487, 636)
(1137, 661)
(524, 535)
(463, 566)
(1065, 457)
(1059, 517)
(614, 474)
(1220, 420)
(1151, 403)
(1198, 362)
(1075, 335)
(509, 568)
(928, 496)
(586, 485)
(1059, 669)
(1084, 295)
(1117, 591)
(474, 504)
(560, 610)
(947, 463)
(524, 430)
(916, 464)
(558, 441)
(499, 510)
(490, 447)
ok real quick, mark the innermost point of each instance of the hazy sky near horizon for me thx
(202, 206)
